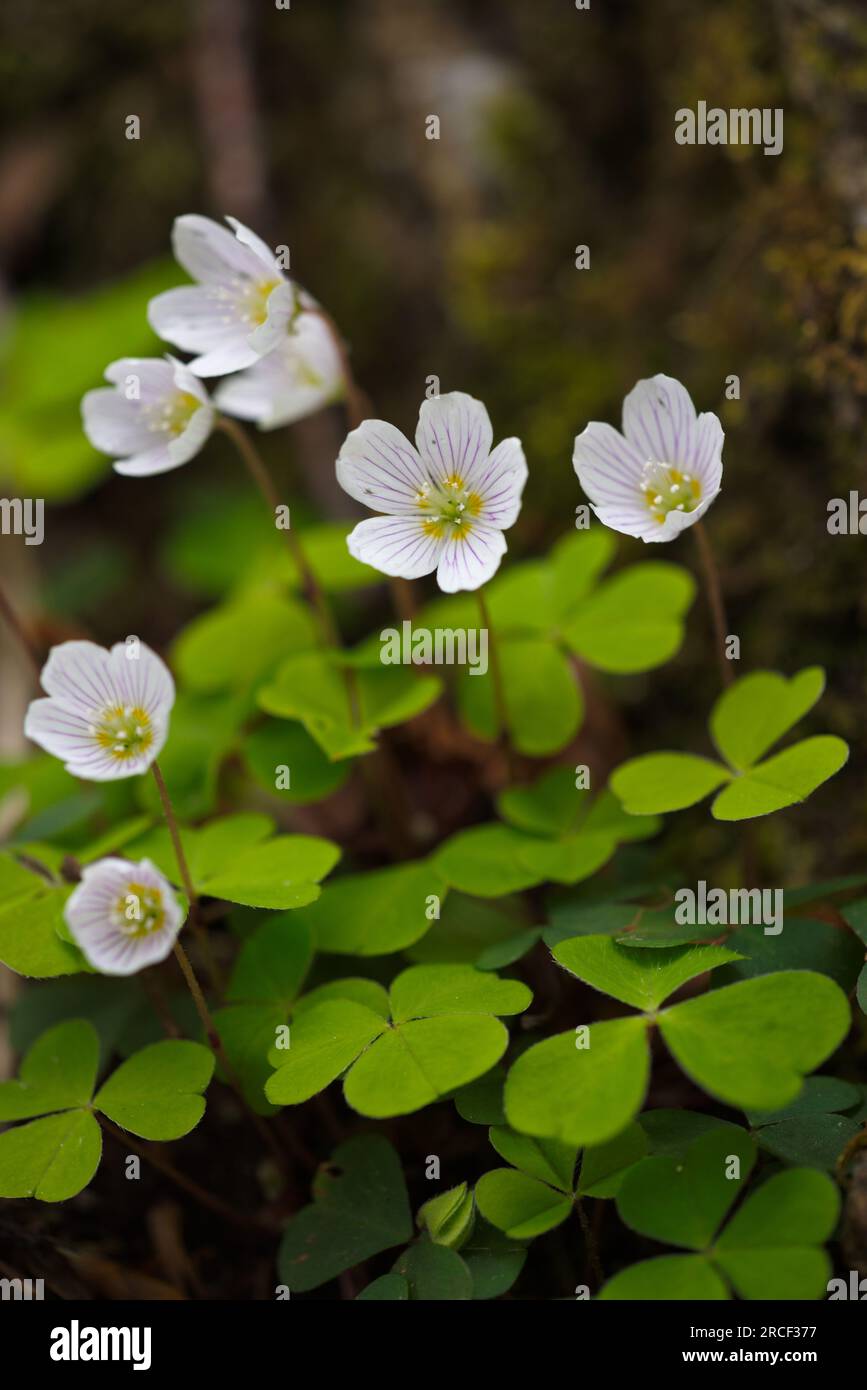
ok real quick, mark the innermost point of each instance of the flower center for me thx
(126, 731)
(139, 910)
(253, 300)
(449, 507)
(172, 414)
(666, 489)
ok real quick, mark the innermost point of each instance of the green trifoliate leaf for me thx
(31, 917)
(768, 1248)
(58, 1073)
(423, 991)
(758, 709)
(633, 621)
(434, 1273)
(672, 1132)
(576, 563)
(781, 781)
(324, 1041)
(751, 1044)
(684, 1201)
(376, 913)
(468, 927)
(316, 690)
(247, 1032)
(422, 1061)
(280, 752)
(544, 704)
(281, 873)
(511, 949)
(667, 1278)
(207, 849)
(51, 1159)
(641, 978)
(240, 643)
(481, 1102)
(157, 1093)
(356, 988)
(485, 861)
(809, 1132)
(658, 782)
(551, 807)
(604, 1166)
(272, 963)
(521, 1206)
(550, 1160)
(360, 1208)
(494, 1261)
(584, 1094)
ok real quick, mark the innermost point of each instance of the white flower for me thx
(107, 715)
(155, 416)
(447, 501)
(242, 306)
(662, 473)
(299, 377)
(123, 916)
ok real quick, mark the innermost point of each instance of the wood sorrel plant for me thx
(523, 974)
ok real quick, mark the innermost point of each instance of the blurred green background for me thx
(456, 258)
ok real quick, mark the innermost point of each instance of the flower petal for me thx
(470, 560)
(139, 677)
(215, 256)
(609, 470)
(454, 436)
(91, 914)
(199, 319)
(279, 309)
(113, 424)
(396, 545)
(659, 420)
(299, 377)
(146, 464)
(501, 483)
(379, 467)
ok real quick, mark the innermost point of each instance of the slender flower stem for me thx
(216, 1045)
(198, 927)
(259, 473)
(16, 626)
(155, 1158)
(590, 1244)
(715, 600)
(496, 669)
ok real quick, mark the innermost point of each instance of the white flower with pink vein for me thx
(662, 473)
(446, 501)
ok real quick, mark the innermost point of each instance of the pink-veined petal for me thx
(501, 483)
(396, 545)
(454, 437)
(659, 420)
(470, 560)
(379, 467)
(213, 255)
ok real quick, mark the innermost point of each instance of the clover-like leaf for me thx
(768, 1249)
(811, 1131)
(434, 1273)
(753, 713)
(658, 782)
(781, 781)
(684, 1201)
(375, 913)
(442, 1036)
(581, 1089)
(544, 703)
(641, 978)
(360, 1208)
(238, 644)
(31, 917)
(752, 1043)
(633, 621)
(276, 744)
(520, 1206)
(58, 1073)
(316, 690)
(52, 1158)
(449, 1217)
(157, 1093)
(667, 1277)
